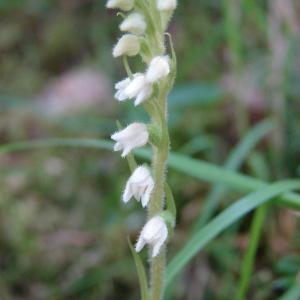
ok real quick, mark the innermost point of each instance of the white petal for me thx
(118, 146)
(157, 246)
(126, 151)
(146, 197)
(134, 135)
(115, 136)
(128, 44)
(158, 68)
(134, 23)
(136, 85)
(121, 4)
(140, 244)
(143, 95)
(121, 96)
(122, 84)
(166, 5)
(127, 194)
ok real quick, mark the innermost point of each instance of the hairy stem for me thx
(160, 156)
(158, 264)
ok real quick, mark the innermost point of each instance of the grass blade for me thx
(235, 160)
(293, 293)
(248, 262)
(141, 272)
(229, 216)
(192, 167)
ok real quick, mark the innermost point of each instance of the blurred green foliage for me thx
(63, 228)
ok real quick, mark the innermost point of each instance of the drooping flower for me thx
(134, 23)
(133, 136)
(154, 233)
(166, 5)
(137, 88)
(159, 68)
(139, 185)
(121, 4)
(128, 44)
(120, 86)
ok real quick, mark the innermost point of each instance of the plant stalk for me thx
(248, 262)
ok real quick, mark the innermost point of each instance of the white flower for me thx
(137, 88)
(121, 4)
(120, 87)
(133, 136)
(134, 23)
(166, 5)
(128, 44)
(154, 233)
(158, 68)
(139, 185)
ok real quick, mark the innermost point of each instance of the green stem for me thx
(232, 24)
(156, 205)
(158, 267)
(159, 167)
(248, 262)
(160, 156)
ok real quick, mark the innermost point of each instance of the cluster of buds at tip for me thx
(140, 87)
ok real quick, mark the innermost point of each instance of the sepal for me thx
(155, 135)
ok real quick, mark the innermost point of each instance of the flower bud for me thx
(134, 23)
(154, 233)
(121, 4)
(158, 68)
(128, 44)
(166, 5)
(133, 136)
(139, 185)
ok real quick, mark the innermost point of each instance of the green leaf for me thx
(170, 202)
(293, 293)
(234, 161)
(229, 216)
(194, 94)
(249, 258)
(141, 273)
(193, 167)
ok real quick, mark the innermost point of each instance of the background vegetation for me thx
(236, 104)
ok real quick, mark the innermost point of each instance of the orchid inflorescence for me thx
(144, 24)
